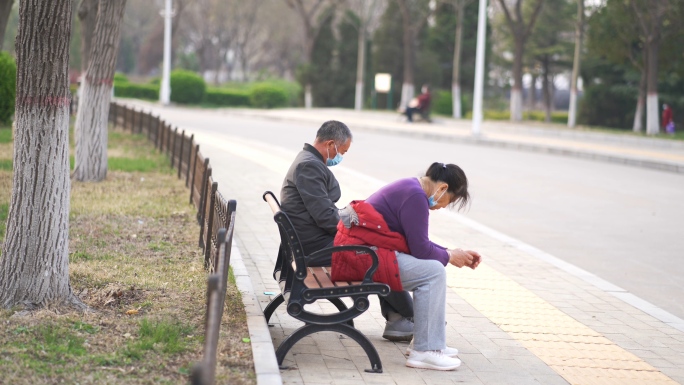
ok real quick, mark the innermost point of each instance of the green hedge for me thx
(120, 78)
(187, 87)
(268, 96)
(226, 97)
(8, 86)
(137, 91)
(556, 117)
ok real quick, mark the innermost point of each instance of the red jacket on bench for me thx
(370, 231)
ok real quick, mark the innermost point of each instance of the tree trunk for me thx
(34, 267)
(456, 74)
(652, 110)
(408, 38)
(87, 14)
(516, 91)
(532, 94)
(641, 100)
(93, 109)
(360, 65)
(572, 112)
(5, 10)
(546, 88)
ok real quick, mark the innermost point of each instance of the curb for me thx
(265, 362)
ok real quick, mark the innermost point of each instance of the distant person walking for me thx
(667, 122)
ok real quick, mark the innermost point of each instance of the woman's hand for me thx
(460, 258)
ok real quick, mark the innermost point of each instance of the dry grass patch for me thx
(133, 258)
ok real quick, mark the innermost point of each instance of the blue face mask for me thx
(334, 161)
(432, 201)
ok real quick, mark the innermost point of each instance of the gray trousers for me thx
(426, 278)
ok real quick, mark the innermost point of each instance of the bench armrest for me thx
(320, 254)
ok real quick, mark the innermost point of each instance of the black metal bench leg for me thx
(341, 306)
(290, 341)
(272, 306)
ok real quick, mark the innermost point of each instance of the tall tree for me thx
(311, 20)
(520, 32)
(34, 267)
(5, 8)
(550, 48)
(456, 71)
(650, 16)
(93, 111)
(368, 13)
(414, 15)
(579, 33)
(87, 14)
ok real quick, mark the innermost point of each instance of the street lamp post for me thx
(165, 90)
(479, 67)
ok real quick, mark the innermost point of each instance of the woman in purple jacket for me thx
(405, 205)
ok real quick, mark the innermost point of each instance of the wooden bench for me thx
(301, 285)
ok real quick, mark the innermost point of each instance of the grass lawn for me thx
(133, 258)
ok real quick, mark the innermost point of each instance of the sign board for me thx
(383, 83)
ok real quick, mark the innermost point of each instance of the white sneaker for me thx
(432, 359)
(449, 352)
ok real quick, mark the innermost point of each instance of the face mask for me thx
(432, 201)
(334, 161)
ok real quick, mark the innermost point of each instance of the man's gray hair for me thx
(335, 131)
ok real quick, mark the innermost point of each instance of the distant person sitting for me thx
(420, 104)
(667, 120)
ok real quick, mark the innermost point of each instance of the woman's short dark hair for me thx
(455, 179)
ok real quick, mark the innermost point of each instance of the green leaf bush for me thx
(268, 96)
(8, 86)
(227, 97)
(137, 91)
(187, 87)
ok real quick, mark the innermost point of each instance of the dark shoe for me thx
(399, 330)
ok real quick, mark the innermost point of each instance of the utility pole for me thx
(165, 90)
(479, 67)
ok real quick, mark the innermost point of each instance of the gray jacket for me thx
(308, 197)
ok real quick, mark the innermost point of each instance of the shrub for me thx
(226, 97)
(120, 78)
(138, 91)
(186, 87)
(8, 86)
(268, 96)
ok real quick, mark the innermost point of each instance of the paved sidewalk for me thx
(523, 317)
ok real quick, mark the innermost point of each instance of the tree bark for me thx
(93, 111)
(5, 10)
(87, 14)
(456, 74)
(532, 94)
(572, 112)
(652, 110)
(520, 30)
(34, 267)
(516, 90)
(360, 65)
(546, 88)
(409, 42)
(641, 100)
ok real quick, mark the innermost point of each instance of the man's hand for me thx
(460, 258)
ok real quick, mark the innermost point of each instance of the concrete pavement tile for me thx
(551, 379)
(477, 362)
(496, 378)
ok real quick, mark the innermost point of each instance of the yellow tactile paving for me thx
(576, 352)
